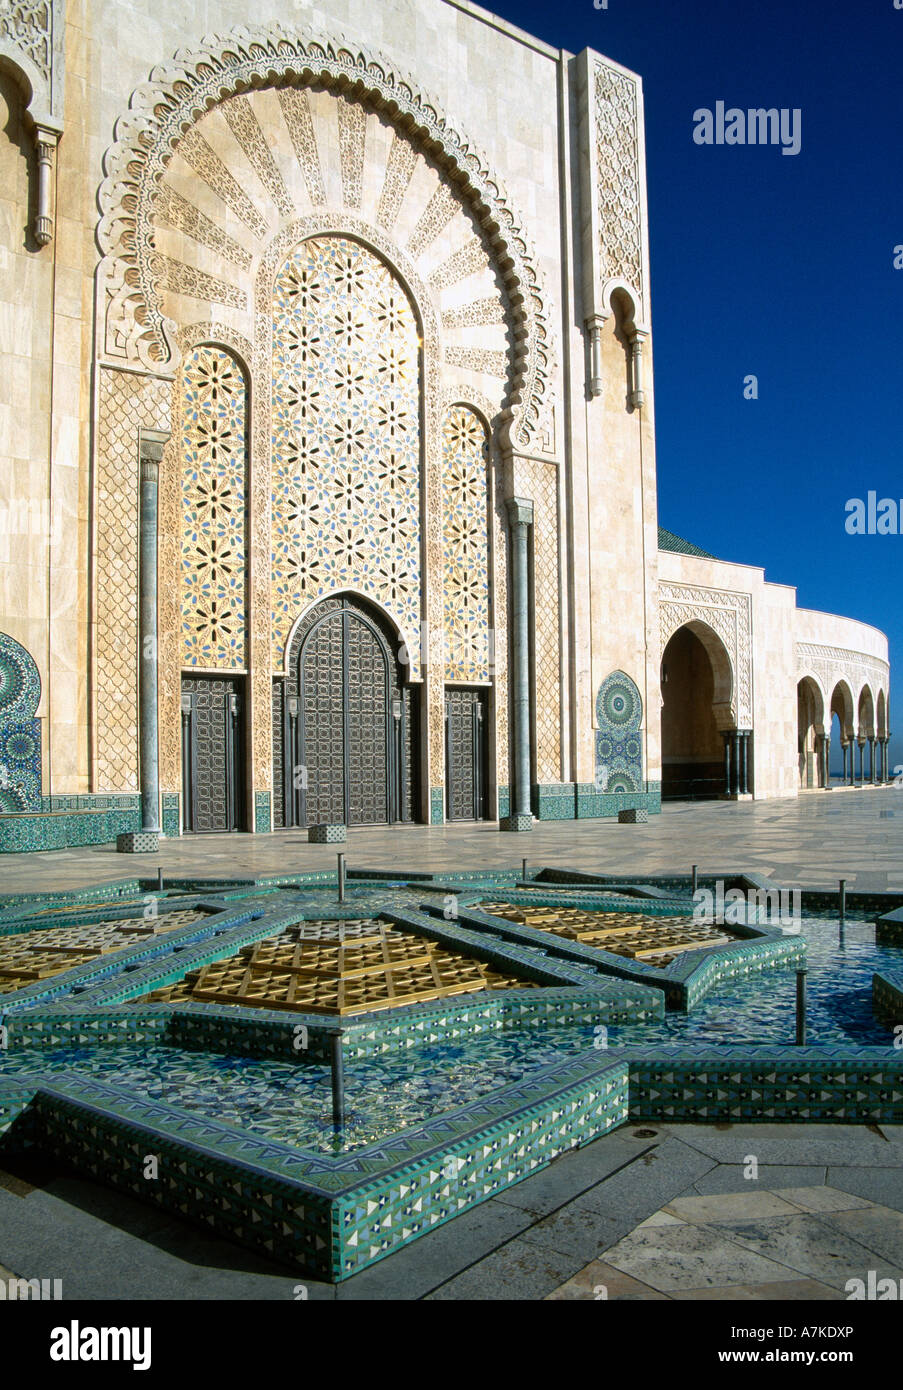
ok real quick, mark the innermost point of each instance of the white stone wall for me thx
(695, 589)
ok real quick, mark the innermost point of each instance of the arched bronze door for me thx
(347, 722)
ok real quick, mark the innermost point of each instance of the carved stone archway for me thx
(135, 332)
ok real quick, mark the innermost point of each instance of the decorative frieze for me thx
(729, 615)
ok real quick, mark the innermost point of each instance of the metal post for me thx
(341, 859)
(801, 1005)
(843, 898)
(159, 878)
(338, 1081)
(523, 872)
(695, 877)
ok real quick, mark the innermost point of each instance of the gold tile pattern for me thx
(337, 968)
(655, 940)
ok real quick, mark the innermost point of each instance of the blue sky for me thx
(776, 265)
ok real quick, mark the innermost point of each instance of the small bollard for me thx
(843, 898)
(695, 877)
(801, 1005)
(523, 872)
(159, 878)
(341, 859)
(338, 1081)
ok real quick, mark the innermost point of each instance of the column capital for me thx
(46, 140)
(151, 444)
(520, 511)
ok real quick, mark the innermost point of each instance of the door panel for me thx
(465, 754)
(212, 720)
(321, 756)
(346, 729)
(366, 725)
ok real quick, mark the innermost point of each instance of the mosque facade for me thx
(327, 444)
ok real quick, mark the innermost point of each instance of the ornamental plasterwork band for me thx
(832, 664)
(137, 334)
(31, 43)
(613, 193)
(729, 616)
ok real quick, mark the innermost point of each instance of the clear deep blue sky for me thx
(776, 265)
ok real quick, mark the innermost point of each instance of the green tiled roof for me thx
(668, 541)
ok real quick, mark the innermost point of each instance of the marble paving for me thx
(809, 842)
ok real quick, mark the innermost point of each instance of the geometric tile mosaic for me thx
(213, 456)
(336, 967)
(465, 546)
(640, 936)
(345, 434)
(70, 1085)
(619, 742)
(20, 732)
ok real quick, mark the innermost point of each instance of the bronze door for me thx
(465, 754)
(212, 781)
(349, 726)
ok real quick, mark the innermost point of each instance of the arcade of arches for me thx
(854, 727)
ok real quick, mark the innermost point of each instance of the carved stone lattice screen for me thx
(346, 435)
(617, 164)
(214, 465)
(465, 546)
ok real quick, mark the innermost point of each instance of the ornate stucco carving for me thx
(829, 665)
(617, 155)
(31, 40)
(135, 328)
(729, 615)
(612, 195)
(31, 47)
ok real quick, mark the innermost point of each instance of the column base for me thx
(518, 823)
(327, 834)
(138, 842)
(635, 817)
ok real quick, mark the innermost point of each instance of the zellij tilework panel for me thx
(346, 434)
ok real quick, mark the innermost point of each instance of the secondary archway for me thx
(812, 747)
(696, 701)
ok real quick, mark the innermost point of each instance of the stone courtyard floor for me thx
(663, 1212)
(657, 1212)
(808, 842)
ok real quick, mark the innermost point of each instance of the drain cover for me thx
(645, 1134)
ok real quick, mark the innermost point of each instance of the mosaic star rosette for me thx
(20, 732)
(619, 742)
(346, 435)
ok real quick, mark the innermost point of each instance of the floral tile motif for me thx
(214, 467)
(346, 434)
(465, 545)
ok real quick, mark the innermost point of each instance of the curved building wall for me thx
(769, 645)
